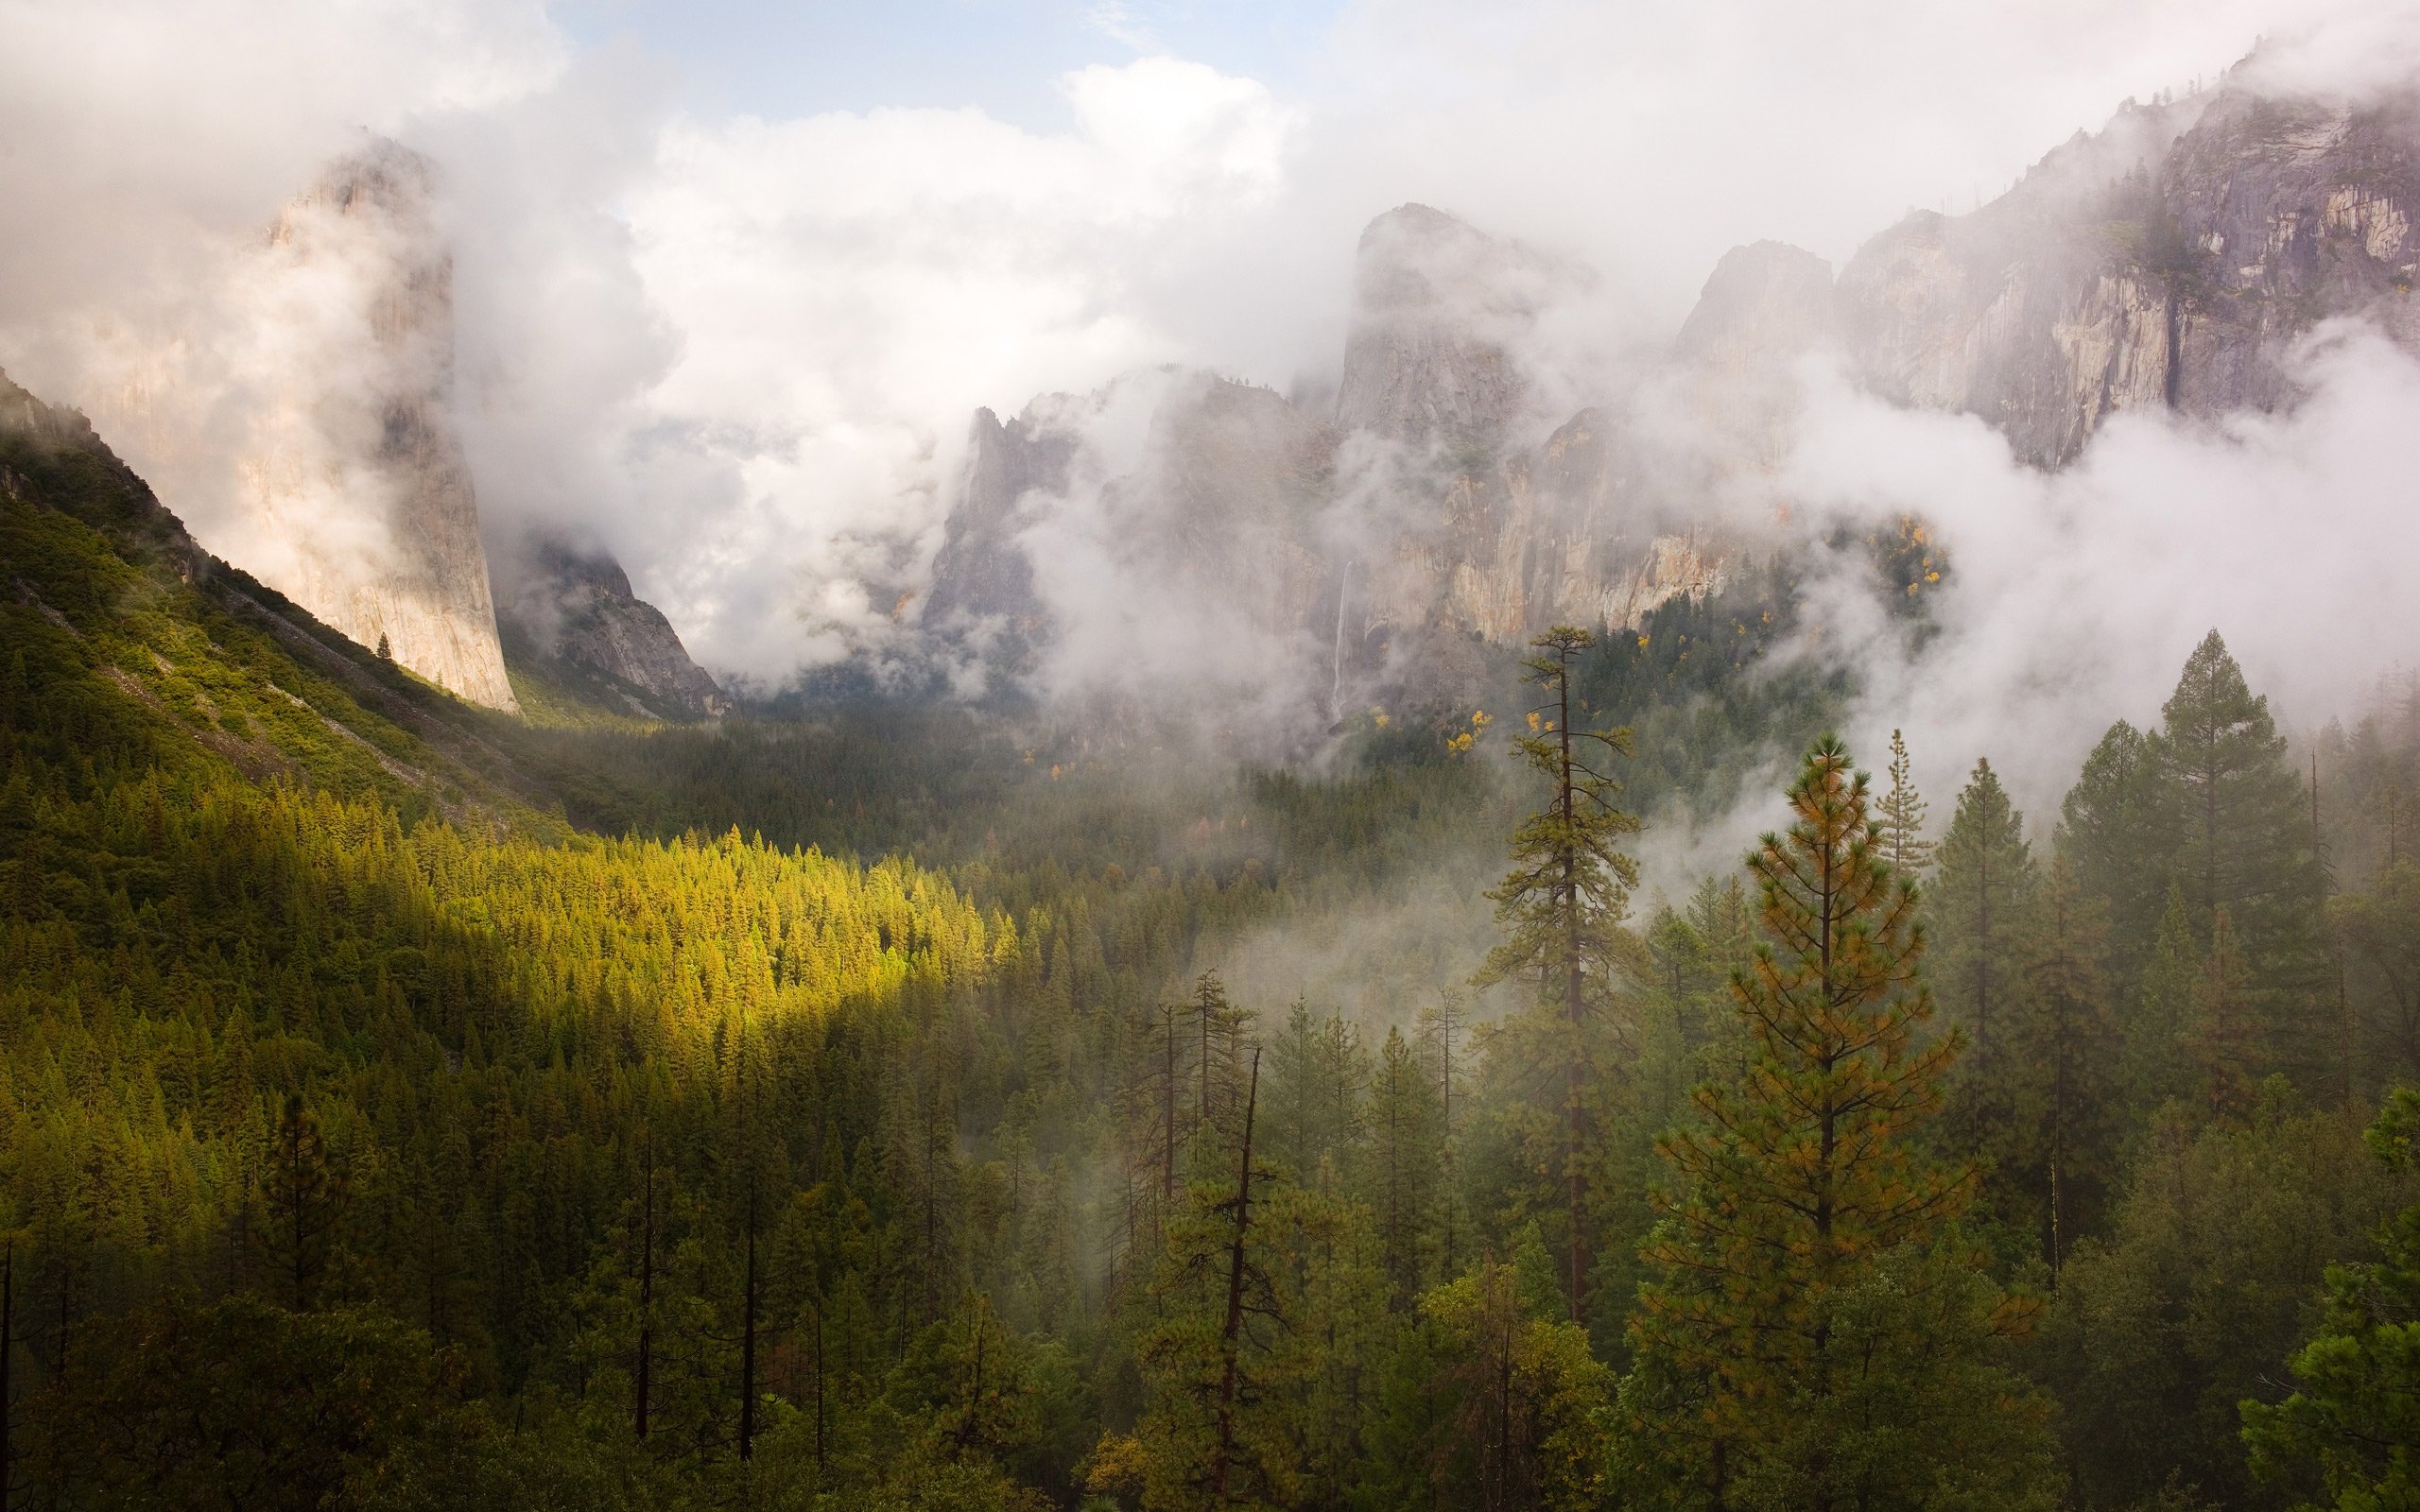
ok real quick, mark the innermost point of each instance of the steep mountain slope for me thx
(176, 660)
(571, 614)
(2166, 261)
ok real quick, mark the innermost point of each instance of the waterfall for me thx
(1336, 658)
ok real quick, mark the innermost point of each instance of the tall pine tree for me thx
(2113, 835)
(1804, 1344)
(2240, 833)
(2065, 1065)
(1977, 907)
(1899, 819)
(1562, 907)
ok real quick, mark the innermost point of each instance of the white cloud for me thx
(2075, 596)
(849, 289)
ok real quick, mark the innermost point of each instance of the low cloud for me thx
(849, 289)
(2075, 595)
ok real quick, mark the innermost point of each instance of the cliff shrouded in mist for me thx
(354, 470)
(2169, 261)
(572, 611)
(2166, 262)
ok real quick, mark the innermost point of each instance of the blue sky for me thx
(789, 58)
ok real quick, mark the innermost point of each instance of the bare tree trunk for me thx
(1574, 1000)
(1231, 1336)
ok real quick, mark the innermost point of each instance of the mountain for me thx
(357, 492)
(571, 612)
(2168, 261)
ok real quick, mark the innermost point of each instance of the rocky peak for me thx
(572, 610)
(1765, 301)
(1733, 374)
(982, 578)
(1438, 308)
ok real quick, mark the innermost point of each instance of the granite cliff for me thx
(2167, 262)
(352, 474)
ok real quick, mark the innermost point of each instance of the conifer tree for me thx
(2242, 832)
(1214, 1429)
(1801, 1190)
(302, 1195)
(1563, 905)
(2157, 1031)
(1443, 1044)
(2356, 1415)
(2113, 835)
(2067, 1062)
(1218, 1029)
(1978, 911)
(1319, 1074)
(1694, 950)
(1407, 1166)
(2379, 928)
(1899, 820)
(1159, 1107)
(1528, 1401)
(2224, 1039)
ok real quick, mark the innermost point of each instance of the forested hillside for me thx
(892, 1104)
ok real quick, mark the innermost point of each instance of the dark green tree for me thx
(1406, 1186)
(1807, 1308)
(2355, 1416)
(2240, 828)
(2066, 1066)
(1562, 908)
(2114, 834)
(301, 1198)
(1978, 908)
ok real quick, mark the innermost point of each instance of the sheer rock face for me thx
(578, 611)
(353, 477)
(1733, 369)
(982, 579)
(2167, 262)
(1222, 513)
(1419, 516)
(1211, 522)
(1453, 517)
